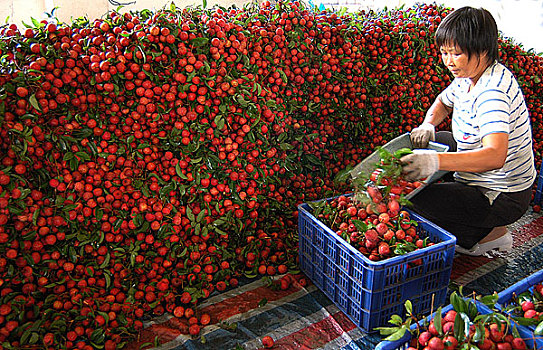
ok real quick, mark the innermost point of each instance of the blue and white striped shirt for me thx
(495, 105)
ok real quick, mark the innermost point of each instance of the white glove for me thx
(422, 135)
(422, 163)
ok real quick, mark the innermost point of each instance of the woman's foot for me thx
(496, 233)
(498, 238)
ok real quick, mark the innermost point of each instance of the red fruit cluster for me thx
(147, 159)
(495, 337)
(528, 304)
(396, 186)
(378, 230)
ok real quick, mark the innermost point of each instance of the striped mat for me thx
(304, 318)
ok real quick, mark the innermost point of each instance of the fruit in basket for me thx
(527, 307)
(493, 338)
(467, 325)
(450, 342)
(518, 344)
(376, 235)
(532, 311)
(497, 332)
(424, 338)
(436, 343)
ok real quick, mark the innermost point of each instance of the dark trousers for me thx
(464, 210)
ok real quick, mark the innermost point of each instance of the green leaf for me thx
(60, 323)
(179, 172)
(472, 310)
(460, 327)
(250, 275)
(539, 329)
(387, 330)
(107, 277)
(72, 254)
(34, 337)
(98, 336)
(190, 214)
(241, 100)
(35, 216)
(402, 152)
(199, 42)
(182, 253)
(34, 102)
(283, 75)
(106, 261)
(286, 146)
(489, 300)
(83, 155)
(398, 334)
(182, 190)
(219, 121)
(74, 163)
(26, 336)
(459, 304)
(104, 315)
(69, 207)
(201, 216)
(68, 156)
(93, 148)
(437, 321)
(479, 332)
(99, 213)
(360, 225)
(408, 307)
(395, 319)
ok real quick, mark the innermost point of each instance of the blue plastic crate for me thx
(370, 292)
(526, 284)
(403, 343)
(539, 189)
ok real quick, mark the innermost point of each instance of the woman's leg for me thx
(466, 212)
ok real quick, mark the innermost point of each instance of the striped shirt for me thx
(495, 105)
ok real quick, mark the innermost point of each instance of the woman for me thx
(490, 144)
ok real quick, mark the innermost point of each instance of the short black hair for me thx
(474, 31)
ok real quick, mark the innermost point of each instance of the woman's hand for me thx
(421, 164)
(422, 135)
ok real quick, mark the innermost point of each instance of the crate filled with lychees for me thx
(369, 253)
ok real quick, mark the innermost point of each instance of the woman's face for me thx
(460, 66)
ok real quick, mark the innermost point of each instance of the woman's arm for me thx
(491, 156)
(437, 112)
